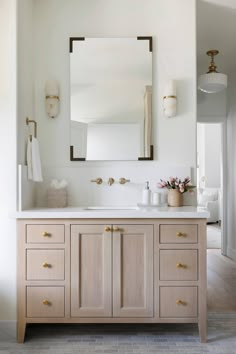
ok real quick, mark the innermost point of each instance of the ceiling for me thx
(216, 29)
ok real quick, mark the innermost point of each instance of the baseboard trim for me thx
(231, 253)
(8, 329)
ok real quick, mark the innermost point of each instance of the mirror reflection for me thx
(111, 98)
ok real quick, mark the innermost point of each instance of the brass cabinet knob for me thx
(123, 180)
(46, 265)
(97, 180)
(180, 302)
(107, 228)
(180, 265)
(45, 234)
(180, 234)
(46, 302)
(116, 228)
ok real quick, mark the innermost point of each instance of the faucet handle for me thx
(97, 180)
(123, 180)
(111, 181)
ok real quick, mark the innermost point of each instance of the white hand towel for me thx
(29, 159)
(33, 161)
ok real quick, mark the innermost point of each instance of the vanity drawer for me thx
(178, 234)
(45, 301)
(44, 264)
(179, 301)
(178, 264)
(45, 233)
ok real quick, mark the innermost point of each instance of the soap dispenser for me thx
(146, 195)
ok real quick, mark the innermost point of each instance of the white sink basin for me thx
(111, 208)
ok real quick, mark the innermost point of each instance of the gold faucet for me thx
(111, 181)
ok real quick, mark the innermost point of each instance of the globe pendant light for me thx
(212, 81)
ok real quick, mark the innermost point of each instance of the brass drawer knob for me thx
(107, 228)
(180, 265)
(46, 302)
(46, 234)
(180, 302)
(180, 234)
(116, 228)
(46, 265)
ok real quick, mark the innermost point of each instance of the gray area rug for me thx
(139, 339)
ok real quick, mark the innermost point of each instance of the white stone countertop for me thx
(113, 213)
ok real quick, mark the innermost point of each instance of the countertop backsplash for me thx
(83, 192)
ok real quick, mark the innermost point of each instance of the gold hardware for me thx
(180, 265)
(180, 302)
(171, 96)
(46, 265)
(97, 180)
(180, 234)
(107, 228)
(46, 234)
(116, 228)
(28, 121)
(111, 181)
(212, 67)
(46, 302)
(123, 180)
(52, 96)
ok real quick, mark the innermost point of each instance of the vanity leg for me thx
(21, 326)
(202, 327)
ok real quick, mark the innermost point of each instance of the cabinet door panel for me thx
(90, 271)
(133, 271)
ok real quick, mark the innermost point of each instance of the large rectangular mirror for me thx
(111, 98)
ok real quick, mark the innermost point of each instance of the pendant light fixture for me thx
(212, 81)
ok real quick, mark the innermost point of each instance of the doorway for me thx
(210, 180)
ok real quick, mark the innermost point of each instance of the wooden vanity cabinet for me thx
(112, 271)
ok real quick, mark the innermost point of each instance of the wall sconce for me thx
(170, 99)
(52, 98)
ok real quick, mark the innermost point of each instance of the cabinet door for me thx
(90, 271)
(133, 271)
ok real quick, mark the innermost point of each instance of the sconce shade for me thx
(170, 99)
(170, 88)
(51, 88)
(52, 98)
(212, 81)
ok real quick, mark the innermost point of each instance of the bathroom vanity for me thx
(117, 266)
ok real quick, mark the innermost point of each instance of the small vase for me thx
(175, 198)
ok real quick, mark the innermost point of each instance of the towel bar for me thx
(28, 121)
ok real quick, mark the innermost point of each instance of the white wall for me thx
(172, 25)
(174, 56)
(25, 87)
(211, 108)
(231, 170)
(8, 159)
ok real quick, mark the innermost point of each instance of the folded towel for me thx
(33, 160)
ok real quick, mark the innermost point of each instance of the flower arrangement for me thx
(177, 183)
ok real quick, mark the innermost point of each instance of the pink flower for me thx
(181, 188)
(172, 179)
(161, 184)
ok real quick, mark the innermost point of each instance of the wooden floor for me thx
(221, 278)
